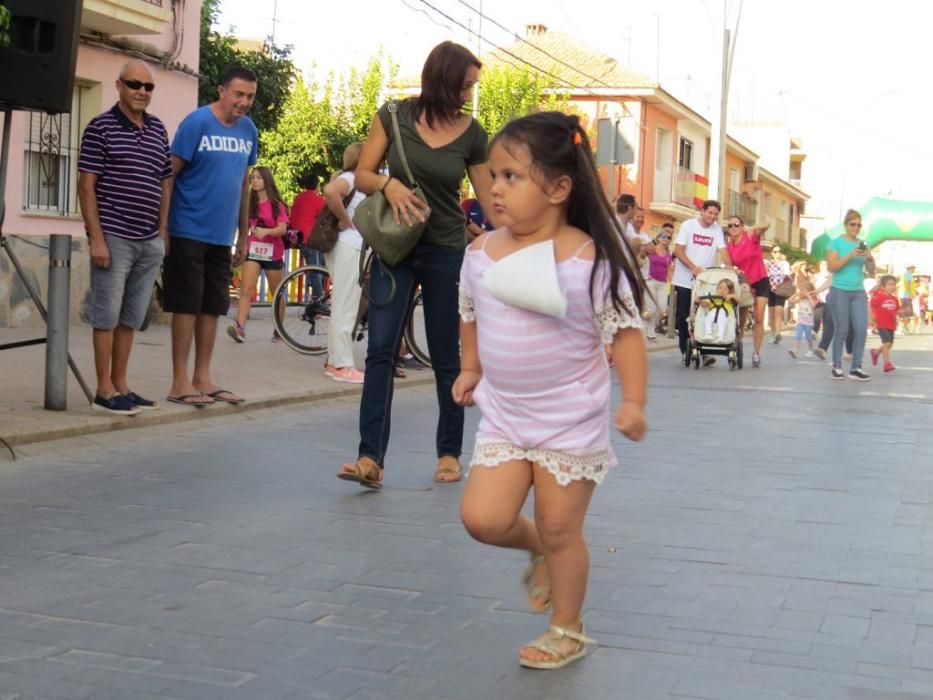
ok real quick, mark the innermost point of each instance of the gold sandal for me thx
(536, 591)
(448, 470)
(365, 471)
(548, 643)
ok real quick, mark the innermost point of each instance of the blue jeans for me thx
(848, 308)
(314, 257)
(437, 270)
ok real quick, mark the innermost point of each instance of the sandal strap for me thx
(575, 636)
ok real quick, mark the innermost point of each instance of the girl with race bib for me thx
(540, 297)
(265, 249)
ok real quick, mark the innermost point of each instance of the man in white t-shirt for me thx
(626, 211)
(640, 241)
(695, 249)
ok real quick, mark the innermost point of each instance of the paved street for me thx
(768, 541)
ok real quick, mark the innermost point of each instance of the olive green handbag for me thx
(375, 220)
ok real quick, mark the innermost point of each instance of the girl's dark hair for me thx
(736, 216)
(559, 147)
(272, 192)
(442, 81)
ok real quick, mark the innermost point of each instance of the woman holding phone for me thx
(849, 259)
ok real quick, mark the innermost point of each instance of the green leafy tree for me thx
(319, 120)
(506, 92)
(4, 26)
(272, 64)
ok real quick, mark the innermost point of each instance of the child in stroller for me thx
(714, 325)
(719, 308)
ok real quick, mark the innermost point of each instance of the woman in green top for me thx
(441, 143)
(848, 259)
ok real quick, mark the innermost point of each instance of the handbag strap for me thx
(393, 110)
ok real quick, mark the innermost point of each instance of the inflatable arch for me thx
(885, 220)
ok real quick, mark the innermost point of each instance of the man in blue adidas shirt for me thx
(212, 152)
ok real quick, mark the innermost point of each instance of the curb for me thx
(147, 419)
(162, 417)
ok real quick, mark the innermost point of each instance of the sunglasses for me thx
(735, 225)
(136, 84)
(664, 237)
(855, 223)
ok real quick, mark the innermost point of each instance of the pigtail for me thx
(590, 211)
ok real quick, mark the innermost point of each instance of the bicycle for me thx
(305, 293)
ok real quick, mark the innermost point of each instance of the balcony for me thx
(126, 16)
(741, 204)
(678, 194)
(690, 188)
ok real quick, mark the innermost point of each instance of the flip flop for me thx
(185, 400)
(231, 398)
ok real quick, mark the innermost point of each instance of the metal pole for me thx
(4, 158)
(612, 158)
(723, 118)
(56, 346)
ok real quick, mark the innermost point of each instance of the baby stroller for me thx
(699, 343)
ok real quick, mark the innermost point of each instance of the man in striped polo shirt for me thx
(124, 182)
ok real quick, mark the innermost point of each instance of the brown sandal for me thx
(448, 470)
(365, 471)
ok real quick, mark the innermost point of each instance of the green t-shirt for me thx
(850, 276)
(439, 171)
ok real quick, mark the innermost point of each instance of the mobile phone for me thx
(861, 245)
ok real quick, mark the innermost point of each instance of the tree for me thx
(320, 120)
(272, 64)
(506, 92)
(4, 26)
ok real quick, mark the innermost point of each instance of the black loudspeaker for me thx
(37, 69)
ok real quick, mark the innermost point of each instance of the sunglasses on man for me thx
(136, 84)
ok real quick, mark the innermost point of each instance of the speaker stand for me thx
(7, 113)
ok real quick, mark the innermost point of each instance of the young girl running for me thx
(268, 220)
(539, 299)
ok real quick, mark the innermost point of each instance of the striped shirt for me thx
(130, 164)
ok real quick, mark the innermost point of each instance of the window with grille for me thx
(50, 177)
(685, 157)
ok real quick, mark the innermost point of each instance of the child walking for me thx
(539, 299)
(884, 305)
(807, 300)
(268, 221)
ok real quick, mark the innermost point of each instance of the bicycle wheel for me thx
(305, 324)
(415, 336)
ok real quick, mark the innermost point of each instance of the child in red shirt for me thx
(884, 305)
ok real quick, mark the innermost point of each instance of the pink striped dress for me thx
(545, 390)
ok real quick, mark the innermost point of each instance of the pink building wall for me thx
(176, 94)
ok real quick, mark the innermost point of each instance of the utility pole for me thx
(718, 137)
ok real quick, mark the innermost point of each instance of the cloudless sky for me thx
(850, 78)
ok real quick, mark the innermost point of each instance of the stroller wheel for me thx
(688, 356)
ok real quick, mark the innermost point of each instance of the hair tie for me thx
(577, 139)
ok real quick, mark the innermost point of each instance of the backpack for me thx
(326, 229)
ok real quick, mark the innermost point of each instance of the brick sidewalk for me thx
(266, 374)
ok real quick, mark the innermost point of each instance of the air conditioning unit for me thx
(751, 173)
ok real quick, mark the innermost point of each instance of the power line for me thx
(507, 52)
(533, 45)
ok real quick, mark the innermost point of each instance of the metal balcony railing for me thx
(741, 204)
(685, 187)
